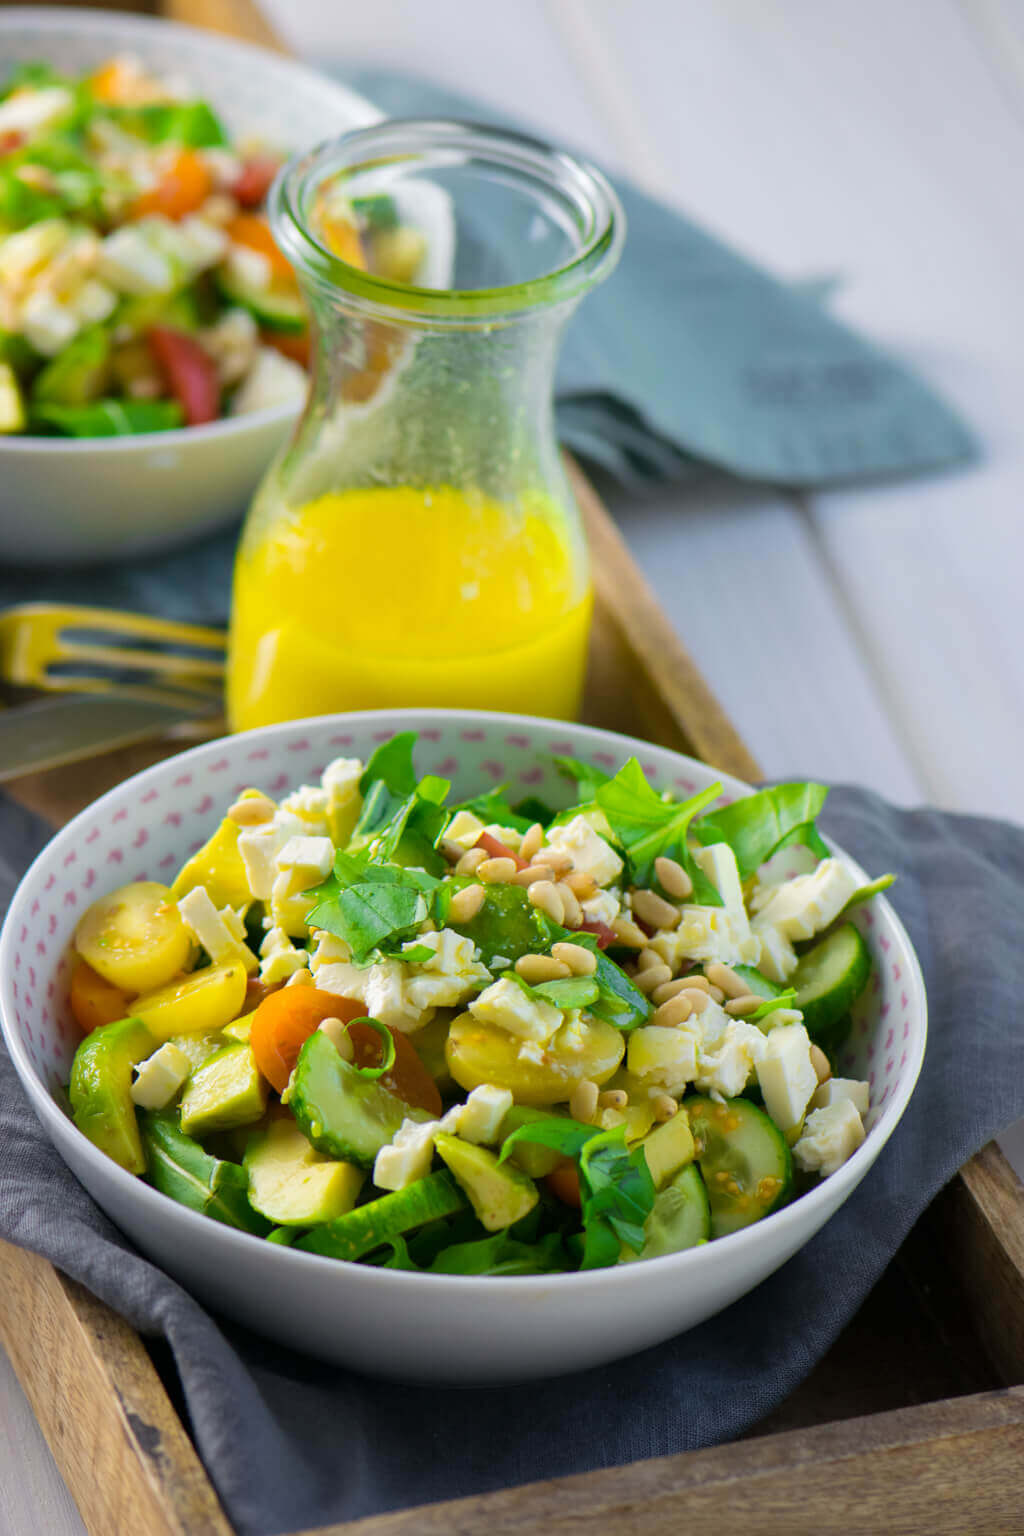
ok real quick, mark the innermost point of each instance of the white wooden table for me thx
(881, 143)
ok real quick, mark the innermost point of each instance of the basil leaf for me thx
(648, 826)
(109, 418)
(369, 904)
(566, 992)
(758, 825)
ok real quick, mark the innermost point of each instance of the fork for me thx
(61, 647)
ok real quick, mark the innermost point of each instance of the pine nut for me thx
(664, 1107)
(560, 862)
(700, 982)
(698, 998)
(301, 978)
(571, 907)
(668, 990)
(537, 968)
(648, 957)
(581, 884)
(452, 851)
(739, 1007)
(337, 1034)
(471, 861)
(582, 962)
(544, 895)
(820, 1063)
(716, 994)
(465, 904)
(672, 877)
(583, 1101)
(724, 977)
(652, 977)
(615, 1098)
(496, 871)
(676, 1011)
(628, 933)
(531, 873)
(651, 908)
(532, 840)
(252, 810)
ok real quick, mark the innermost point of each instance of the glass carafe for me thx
(417, 542)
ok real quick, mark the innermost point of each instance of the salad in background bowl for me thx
(331, 1129)
(152, 341)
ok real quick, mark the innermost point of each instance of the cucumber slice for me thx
(277, 309)
(178, 1167)
(759, 985)
(370, 1225)
(744, 1160)
(681, 1218)
(348, 1116)
(830, 977)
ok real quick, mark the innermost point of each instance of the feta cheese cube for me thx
(663, 1055)
(309, 803)
(46, 324)
(482, 1114)
(159, 1077)
(786, 1075)
(218, 937)
(728, 1066)
(507, 835)
(328, 949)
(340, 782)
(34, 107)
(838, 1088)
(602, 908)
(464, 829)
(451, 976)
(505, 1005)
(280, 960)
(92, 302)
(24, 254)
(307, 858)
(259, 847)
(705, 934)
(589, 852)
(802, 907)
(830, 1136)
(132, 263)
(272, 380)
(408, 1157)
(202, 244)
(777, 958)
(718, 862)
(248, 268)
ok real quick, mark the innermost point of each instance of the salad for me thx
(479, 1038)
(141, 288)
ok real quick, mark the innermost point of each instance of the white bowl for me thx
(75, 501)
(433, 1327)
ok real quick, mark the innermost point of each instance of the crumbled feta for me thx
(131, 262)
(328, 949)
(786, 1075)
(802, 907)
(482, 1114)
(507, 835)
(451, 976)
(505, 1005)
(408, 1156)
(663, 1056)
(309, 803)
(46, 324)
(25, 253)
(92, 302)
(830, 1136)
(308, 858)
(604, 907)
(217, 932)
(280, 959)
(705, 934)
(379, 987)
(248, 268)
(727, 1067)
(259, 847)
(532, 1051)
(200, 243)
(340, 782)
(26, 111)
(464, 829)
(589, 852)
(272, 380)
(777, 958)
(159, 1077)
(838, 1088)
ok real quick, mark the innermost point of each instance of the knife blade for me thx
(53, 731)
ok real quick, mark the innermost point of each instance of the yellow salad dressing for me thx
(388, 596)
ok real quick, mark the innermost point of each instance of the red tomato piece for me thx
(252, 183)
(406, 1077)
(602, 932)
(496, 849)
(191, 374)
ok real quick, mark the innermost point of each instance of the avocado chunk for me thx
(292, 1183)
(499, 1195)
(241, 1029)
(680, 1218)
(227, 1090)
(533, 1159)
(377, 1222)
(78, 374)
(100, 1089)
(669, 1148)
(198, 1048)
(218, 865)
(12, 404)
(342, 1113)
(179, 1167)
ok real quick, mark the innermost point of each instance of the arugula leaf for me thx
(758, 825)
(616, 1188)
(648, 826)
(865, 892)
(501, 1254)
(389, 778)
(771, 1005)
(588, 777)
(369, 904)
(401, 819)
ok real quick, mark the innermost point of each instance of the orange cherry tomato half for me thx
(406, 1077)
(564, 1184)
(253, 231)
(495, 849)
(283, 1023)
(182, 189)
(94, 1001)
(295, 347)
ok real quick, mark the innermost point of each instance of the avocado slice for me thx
(669, 1148)
(12, 403)
(292, 1183)
(179, 1167)
(218, 865)
(227, 1090)
(533, 1159)
(198, 1048)
(100, 1089)
(499, 1195)
(241, 1029)
(377, 1222)
(342, 1113)
(78, 374)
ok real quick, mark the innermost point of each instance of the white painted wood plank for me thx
(34, 1500)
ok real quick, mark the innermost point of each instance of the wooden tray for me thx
(913, 1422)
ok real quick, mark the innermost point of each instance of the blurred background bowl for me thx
(65, 501)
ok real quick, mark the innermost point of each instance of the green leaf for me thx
(110, 418)
(567, 992)
(756, 826)
(588, 778)
(190, 123)
(865, 892)
(388, 1042)
(648, 826)
(401, 820)
(771, 1005)
(501, 1254)
(370, 905)
(389, 778)
(493, 807)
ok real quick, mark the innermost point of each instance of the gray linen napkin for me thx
(292, 1444)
